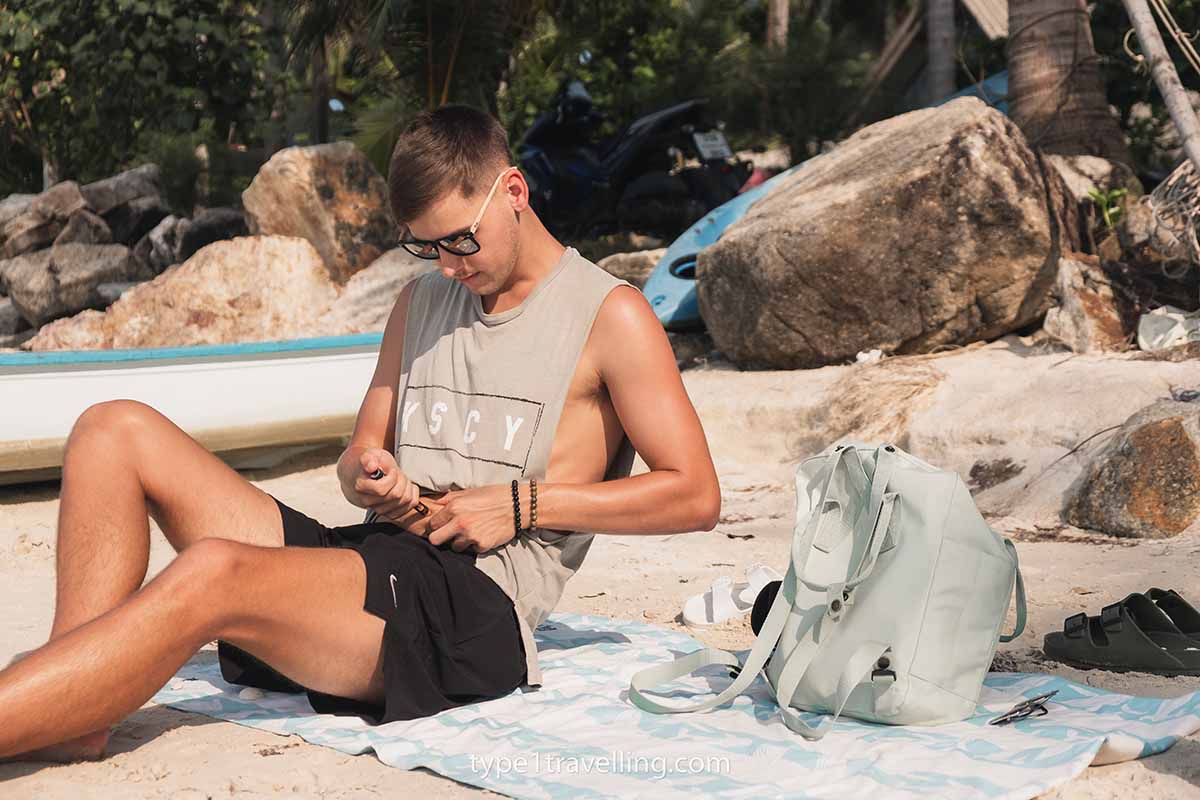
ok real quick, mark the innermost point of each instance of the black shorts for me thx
(450, 637)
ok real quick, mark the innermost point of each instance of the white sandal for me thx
(725, 600)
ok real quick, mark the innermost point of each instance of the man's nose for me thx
(451, 264)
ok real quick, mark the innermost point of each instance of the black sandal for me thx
(1181, 612)
(1134, 635)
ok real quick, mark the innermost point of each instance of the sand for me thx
(161, 752)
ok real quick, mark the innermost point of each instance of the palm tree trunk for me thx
(1056, 93)
(939, 26)
(777, 25)
(320, 94)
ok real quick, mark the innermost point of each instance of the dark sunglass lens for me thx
(464, 246)
(421, 250)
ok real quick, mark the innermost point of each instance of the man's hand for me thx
(392, 495)
(476, 519)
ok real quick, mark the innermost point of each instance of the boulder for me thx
(62, 280)
(110, 292)
(14, 341)
(1145, 482)
(634, 267)
(84, 227)
(42, 219)
(11, 320)
(1082, 174)
(1088, 317)
(366, 301)
(935, 227)
(130, 202)
(133, 220)
(210, 225)
(1146, 241)
(107, 195)
(159, 248)
(253, 288)
(328, 194)
(13, 205)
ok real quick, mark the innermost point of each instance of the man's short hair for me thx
(453, 147)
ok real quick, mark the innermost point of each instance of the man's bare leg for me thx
(298, 609)
(125, 462)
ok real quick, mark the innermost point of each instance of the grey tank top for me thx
(479, 400)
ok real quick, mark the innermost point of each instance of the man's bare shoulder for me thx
(626, 323)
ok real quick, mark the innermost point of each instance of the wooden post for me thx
(1166, 78)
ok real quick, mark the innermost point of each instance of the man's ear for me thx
(518, 193)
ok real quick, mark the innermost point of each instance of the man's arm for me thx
(681, 491)
(375, 426)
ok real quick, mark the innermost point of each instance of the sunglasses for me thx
(462, 243)
(1033, 707)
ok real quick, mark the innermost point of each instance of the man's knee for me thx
(119, 419)
(212, 577)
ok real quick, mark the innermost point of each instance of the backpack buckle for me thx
(837, 597)
(883, 669)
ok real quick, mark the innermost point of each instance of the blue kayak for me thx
(671, 287)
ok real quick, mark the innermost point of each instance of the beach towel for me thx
(580, 736)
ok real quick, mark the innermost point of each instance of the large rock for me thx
(367, 299)
(159, 248)
(105, 196)
(42, 219)
(1145, 483)
(11, 320)
(930, 228)
(84, 227)
(133, 220)
(329, 194)
(1143, 239)
(210, 225)
(130, 202)
(13, 205)
(62, 280)
(1082, 174)
(253, 288)
(634, 267)
(1088, 317)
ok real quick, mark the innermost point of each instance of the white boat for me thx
(252, 403)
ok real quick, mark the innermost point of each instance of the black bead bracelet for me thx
(516, 509)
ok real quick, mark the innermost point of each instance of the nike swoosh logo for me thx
(392, 580)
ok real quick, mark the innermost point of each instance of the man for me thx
(509, 384)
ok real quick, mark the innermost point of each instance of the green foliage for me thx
(81, 83)
(652, 53)
(1109, 204)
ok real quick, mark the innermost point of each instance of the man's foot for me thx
(89, 747)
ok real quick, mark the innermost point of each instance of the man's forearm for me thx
(659, 501)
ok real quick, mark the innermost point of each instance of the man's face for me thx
(486, 271)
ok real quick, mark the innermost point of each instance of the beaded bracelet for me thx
(532, 503)
(516, 509)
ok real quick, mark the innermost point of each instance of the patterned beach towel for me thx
(579, 735)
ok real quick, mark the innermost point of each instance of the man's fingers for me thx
(444, 533)
(392, 507)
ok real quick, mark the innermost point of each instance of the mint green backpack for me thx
(892, 604)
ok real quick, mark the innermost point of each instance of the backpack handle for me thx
(1019, 626)
(873, 516)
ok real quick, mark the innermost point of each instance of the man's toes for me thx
(89, 747)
